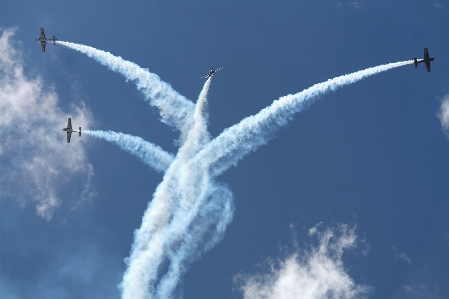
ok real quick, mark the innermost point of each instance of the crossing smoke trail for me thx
(199, 209)
(254, 131)
(189, 211)
(175, 109)
(207, 220)
(195, 209)
(147, 152)
(205, 209)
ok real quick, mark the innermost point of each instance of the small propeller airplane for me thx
(69, 130)
(426, 60)
(43, 40)
(211, 73)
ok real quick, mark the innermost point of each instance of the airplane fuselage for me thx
(211, 73)
(425, 60)
(71, 131)
(40, 39)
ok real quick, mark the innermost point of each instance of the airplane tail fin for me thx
(416, 62)
(79, 133)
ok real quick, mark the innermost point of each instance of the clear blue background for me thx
(372, 154)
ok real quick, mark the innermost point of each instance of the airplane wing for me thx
(43, 43)
(69, 134)
(69, 124)
(427, 59)
(42, 33)
(218, 69)
(427, 63)
(205, 77)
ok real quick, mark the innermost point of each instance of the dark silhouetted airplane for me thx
(426, 60)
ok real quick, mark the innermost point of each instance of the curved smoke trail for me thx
(254, 131)
(205, 208)
(149, 153)
(208, 220)
(181, 216)
(174, 108)
(190, 211)
(197, 207)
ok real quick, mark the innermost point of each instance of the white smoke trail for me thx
(207, 225)
(254, 131)
(187, 197)
(174, 108)
(149, 153)
(174, 206)
(190, 211)
(198, 135)
(205, 208)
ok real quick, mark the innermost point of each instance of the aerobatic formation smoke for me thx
(205, 207)
(174, 108)
(194, 212)
(189, 211)
(193, 194)
(254, 131)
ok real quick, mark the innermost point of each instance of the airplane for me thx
(43, 40)
(426, 60)
(211, 73)
(69, 130)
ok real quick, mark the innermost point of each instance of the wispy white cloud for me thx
(400, 255)
(35, 161)
(441, 6)
(421, 291)
(444, 113)
(313, 274)
(351, 4)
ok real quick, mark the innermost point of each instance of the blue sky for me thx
(367, 162)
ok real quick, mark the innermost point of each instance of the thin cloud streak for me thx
(443, 115)
(400, 255)
(35, 167)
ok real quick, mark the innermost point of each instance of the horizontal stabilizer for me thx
(416, 62)
(79, 132)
